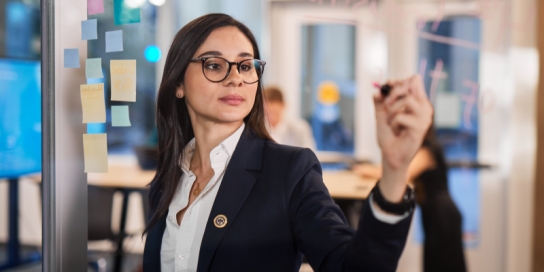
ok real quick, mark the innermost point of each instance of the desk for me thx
(128, 177)
(341, 184)
(125, 178)
(345, 184)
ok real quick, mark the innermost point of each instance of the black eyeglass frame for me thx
(203, 60)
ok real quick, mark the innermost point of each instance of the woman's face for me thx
(229, 100)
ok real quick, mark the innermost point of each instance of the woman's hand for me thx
(403, 118)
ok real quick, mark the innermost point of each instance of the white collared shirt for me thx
(181, 243)
(293, 131)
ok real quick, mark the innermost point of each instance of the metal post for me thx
(51, 258)
(64, 181)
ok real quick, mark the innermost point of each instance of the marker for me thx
(384, 89)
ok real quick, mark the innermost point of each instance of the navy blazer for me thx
(277, 209)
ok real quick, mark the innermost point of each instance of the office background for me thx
(479, 61)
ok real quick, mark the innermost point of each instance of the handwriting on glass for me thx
(494, 11)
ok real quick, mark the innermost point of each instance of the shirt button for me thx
(181, 257)
(171, 218)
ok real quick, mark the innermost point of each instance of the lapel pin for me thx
(220, 221)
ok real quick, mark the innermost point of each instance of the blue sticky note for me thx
(119, 116)
(93, 68)
(123, 14)
(114, 41)
(71, 58)
(88, 30)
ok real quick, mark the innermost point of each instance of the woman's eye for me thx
(246, 67)
(213, 66)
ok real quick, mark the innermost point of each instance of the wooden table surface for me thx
(346, 184)
(122, 176)
(341, 184)
(126, 173)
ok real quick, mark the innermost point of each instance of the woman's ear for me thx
(180, 93)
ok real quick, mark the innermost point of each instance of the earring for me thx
(179, 95)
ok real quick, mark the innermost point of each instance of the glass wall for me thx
(451, 76)
(20, 132)
(328, 85)
(139, 45)
(20, 29)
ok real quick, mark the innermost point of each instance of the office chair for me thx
(100, 204)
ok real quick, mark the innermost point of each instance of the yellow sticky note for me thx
(95, 153)
(123, 80)
(93, 104)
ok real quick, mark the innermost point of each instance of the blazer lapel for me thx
(235, 188)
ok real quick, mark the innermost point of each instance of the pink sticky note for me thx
(95, 6)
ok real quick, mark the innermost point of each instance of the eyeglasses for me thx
(217, 69)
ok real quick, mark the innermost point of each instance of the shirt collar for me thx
(226, 147)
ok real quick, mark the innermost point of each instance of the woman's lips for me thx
(232, 100)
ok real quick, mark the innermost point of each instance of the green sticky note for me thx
(93, 68)
(119, 116)
(124, 14)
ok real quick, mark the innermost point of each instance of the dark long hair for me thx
(173, 123)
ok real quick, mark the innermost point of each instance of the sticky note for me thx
(123, 80)
(95, 6)
(93, 104)
(71, 58)
(123, 14)
(93, 68)
(88, 30)
(114, 41)
(119, 116)
(95, 152)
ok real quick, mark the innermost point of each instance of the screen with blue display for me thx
(20, 118)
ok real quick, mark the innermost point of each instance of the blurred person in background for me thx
(428, 173)
(288, 131)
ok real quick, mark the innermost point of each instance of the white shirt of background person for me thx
(295, 132)
(286, 130)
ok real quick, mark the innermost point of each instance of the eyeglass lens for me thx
(216, 69)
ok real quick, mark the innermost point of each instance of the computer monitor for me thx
(20, 117)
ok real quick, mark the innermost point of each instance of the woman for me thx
(443, 247)
(227, 198)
